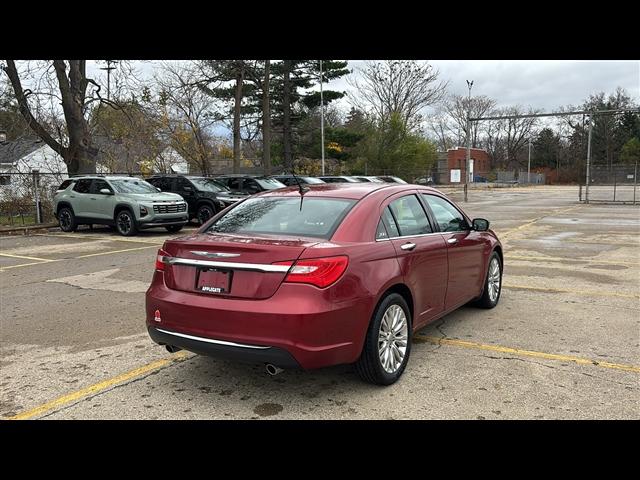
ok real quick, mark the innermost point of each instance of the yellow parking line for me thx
(557, 259)
(526, 353)
(25, 257)
(588, 293)
(157, 245)
(531, 222)
(99, 387)
(93, 237)
(2, 269)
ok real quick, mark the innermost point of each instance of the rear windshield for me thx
(133, 185)
(319, 217)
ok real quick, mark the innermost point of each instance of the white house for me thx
(20, 158)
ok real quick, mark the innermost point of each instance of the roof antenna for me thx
(302, 190)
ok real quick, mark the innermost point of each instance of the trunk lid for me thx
(242, 265)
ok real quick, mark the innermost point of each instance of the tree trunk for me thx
(236, 120)
(266, 121)
(286, 120)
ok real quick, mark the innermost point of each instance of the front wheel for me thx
(126, 223)
(388, 342)
(492, 284)
(205, 212)
(173, 228)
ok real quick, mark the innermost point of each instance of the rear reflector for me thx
(160, 260)
(320, 272)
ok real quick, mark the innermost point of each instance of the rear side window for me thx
(410, 216)
(318, 218)
(82, 186)
(390, 223)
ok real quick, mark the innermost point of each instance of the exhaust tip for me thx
(272, 369)
(172, 349)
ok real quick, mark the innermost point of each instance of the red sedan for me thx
(322, 275)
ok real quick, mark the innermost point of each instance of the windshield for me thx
(132, 185)
(269, 183)
(209, 185)
(319, 217)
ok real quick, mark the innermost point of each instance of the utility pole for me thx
(529, 165)
(586, 193)
(321, 118)
(466, 177)
(108, 68)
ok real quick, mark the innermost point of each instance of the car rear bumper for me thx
(299, 325)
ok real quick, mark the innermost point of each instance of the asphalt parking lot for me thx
(563, 343)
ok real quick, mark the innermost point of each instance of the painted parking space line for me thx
(94, 237)
(534, 258)
(110, 252)
(588, 293)
(102, 386)
(524, 353)
(537, 219)
(2, 269)
(24, 257)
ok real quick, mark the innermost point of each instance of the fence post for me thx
(635, 181)
(36, 177)
(580, 193)
(614, 185)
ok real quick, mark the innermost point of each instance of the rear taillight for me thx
(160, 260)
(320, 272)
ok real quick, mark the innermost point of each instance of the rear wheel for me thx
(67, 220)
(173, 228)
(388, 342)
(493, 283)
(126, 223)
(205, 212)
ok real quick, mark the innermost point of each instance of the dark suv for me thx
(249, 184)
(205, 196)
(290, 180)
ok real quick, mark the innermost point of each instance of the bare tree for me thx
(458, 107)
(403, 87)
(50, 84)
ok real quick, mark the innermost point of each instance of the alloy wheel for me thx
(124, 222)
(392, 338)
(493, 282)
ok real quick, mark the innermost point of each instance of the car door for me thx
(102, 204)
(186, 189)
(80, 198)
(421, 253)
(234, 184)
(465, 247)
(250, 186)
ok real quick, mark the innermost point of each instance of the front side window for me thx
(162, 183)
(319, 217)
(132, 185)
(410, 216)
(448, 217)
(208, 185)
(99, 185)
(82, 186)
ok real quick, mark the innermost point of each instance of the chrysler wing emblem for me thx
(214, 254)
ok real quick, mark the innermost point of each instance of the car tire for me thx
(126, 223)
(67, 220)
(379, 362)
(492, 283)
(204, 213)
(173, 228)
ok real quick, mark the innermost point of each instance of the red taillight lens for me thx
(160, 260)
(320, 272)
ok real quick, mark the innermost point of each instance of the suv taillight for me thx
(160, 265)
(320, 272)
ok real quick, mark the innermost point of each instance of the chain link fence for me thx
(611, 184)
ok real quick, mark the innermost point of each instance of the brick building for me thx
(456, 158)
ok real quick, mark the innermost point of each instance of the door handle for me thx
(93, 198)
(408, 246)
(452, 241)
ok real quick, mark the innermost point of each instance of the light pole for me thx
(468, 166)
(321, 118)
(108, 68)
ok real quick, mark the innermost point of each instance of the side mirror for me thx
(106, 191)
(187, 189)
(159, 189)
(480, 224)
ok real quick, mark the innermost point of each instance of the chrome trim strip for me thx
(259, 267)
(413, 236)
(210, 340)
(214, 254)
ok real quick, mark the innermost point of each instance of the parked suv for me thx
(290, 180)
(127, 203)
(204, 196)
(250, 184)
